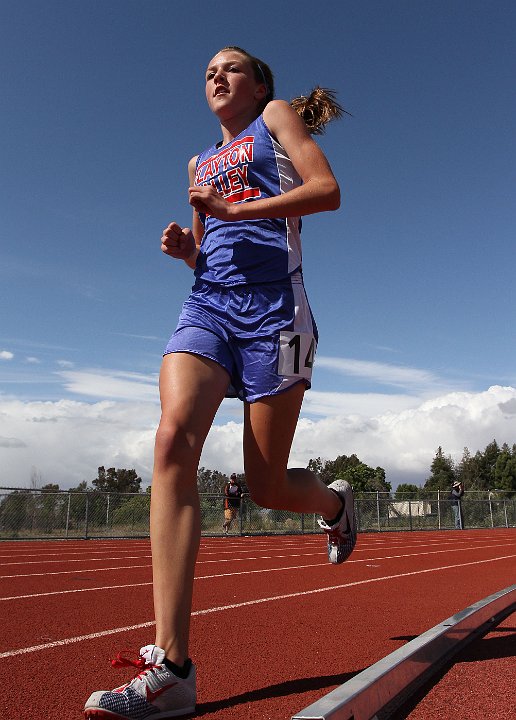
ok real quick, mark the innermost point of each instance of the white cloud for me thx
(9, 442)
(317, 403)
(31, 360)
(6, 355)
(141, 337)
(382, 373)
(67, 440)
(112, 384)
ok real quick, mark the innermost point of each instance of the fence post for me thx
(241, 515)
(491, 508)
(410, 513)
(86, 509)
(505, 512)
(68, 515)
(378, 510)
(439, 509)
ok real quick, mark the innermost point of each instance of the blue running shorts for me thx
(263, 335)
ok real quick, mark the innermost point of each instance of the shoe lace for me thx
(335, 536)
(141, 664)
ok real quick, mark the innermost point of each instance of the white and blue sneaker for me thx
(342, 536)
(155, 692)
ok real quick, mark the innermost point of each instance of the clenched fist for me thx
(178, 242)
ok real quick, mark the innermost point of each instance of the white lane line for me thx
(148, 565)
(204, 551)
(215, 548)
(236, 606)
(35, 547)
(375, 538)
(41, 556)
(118, 549)
(77, 590)
(244, 559)
(198, 577)
(74, 572)
(71, 560)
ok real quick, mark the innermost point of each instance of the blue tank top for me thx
(252, 166)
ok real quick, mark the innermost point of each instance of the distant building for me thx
(408, 508)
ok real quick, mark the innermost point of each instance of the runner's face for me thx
(231, 87)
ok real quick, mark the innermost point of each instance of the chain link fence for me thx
(433, 511)
(36, 514)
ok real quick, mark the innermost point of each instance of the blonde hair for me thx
(317, 109)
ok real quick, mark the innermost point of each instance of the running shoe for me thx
(342, 536)
(155, 692)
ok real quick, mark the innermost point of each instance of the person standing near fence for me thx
(232, 501)
(246, 331)
(456, 494)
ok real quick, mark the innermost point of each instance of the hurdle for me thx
(376, 692)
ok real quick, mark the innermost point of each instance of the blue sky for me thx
(411, 281)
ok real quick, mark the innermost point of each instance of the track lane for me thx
(248, 588)
(283, 650)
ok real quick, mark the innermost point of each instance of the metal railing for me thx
(42, 514)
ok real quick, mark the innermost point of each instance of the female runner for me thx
(245, 331)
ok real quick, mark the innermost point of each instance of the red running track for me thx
(275, 626)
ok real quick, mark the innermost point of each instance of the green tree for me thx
(15, 511)
(210, 481)
(134, 512)
(77, 499)
(363, 478)
(115, 487)
(342, 468)
(467, 470)
(358, 474)
(117, 481)
(505, 469)
(406, 491)
(382, 485)
(50, 505)
(81, 487)
(316, 465)
(443, 472)
(331, 470)
(486, 463)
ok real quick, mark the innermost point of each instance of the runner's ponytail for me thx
(318, 109)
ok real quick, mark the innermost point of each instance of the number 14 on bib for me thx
(296, 354)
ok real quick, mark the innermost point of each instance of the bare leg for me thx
(191, 389)
(227, 524)
(269, 429)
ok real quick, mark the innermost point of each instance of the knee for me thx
(174, 444)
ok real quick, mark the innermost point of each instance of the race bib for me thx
(296, 354)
